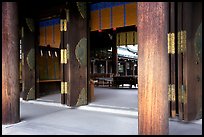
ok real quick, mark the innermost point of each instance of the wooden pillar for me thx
(190, 60)
(64, 63)
(95, 67)
(114, 55)
(10, 64)
(153, 68)
(125, 67)
(132, 68)
(77, 42)
(106, 66)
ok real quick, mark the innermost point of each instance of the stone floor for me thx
(114, 112)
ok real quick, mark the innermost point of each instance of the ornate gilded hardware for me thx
(63, 56)
(169, 92)
(173, 96)
(63, 25)
(171, 43)
(65, 87)
(181, 41)
(62, 87)
(182, 94)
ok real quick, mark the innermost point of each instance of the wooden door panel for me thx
(189, 41)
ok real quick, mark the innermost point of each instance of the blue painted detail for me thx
(102, 5)
(49, 22)
(56, 21)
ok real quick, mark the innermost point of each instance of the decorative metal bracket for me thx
(181, 41)
(63, 56)
(169, 92)
(64, 87)
(63, 25)
(173, 96)
(171, 43)
(182, 94)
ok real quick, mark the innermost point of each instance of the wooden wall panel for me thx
(56, 43)
(42, 36)
(130, 38)
(94, 20)
(192, 60)
(106, 18)
(131, 15)
(118, 16)
(113, 15)
(49, 35)
(51, 70)
(42, 64)
(122, 38)
(56, 66)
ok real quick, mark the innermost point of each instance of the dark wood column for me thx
(77, 43)
(191, 39)
(106, 66)
(10, 64)
(125, 67)
(153, 69)
(172, 61)
(114, 55)
(133, 68)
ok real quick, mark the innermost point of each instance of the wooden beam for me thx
(10, 64)
(153, 68)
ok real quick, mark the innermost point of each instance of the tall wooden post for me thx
(125, 67)
(133, 68)
(114, 55)
(172, 61)
(77, 43)
(106, 66)
(10, 64)
(153, 67)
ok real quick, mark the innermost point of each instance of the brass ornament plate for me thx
(81, 52)
(31, 59)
